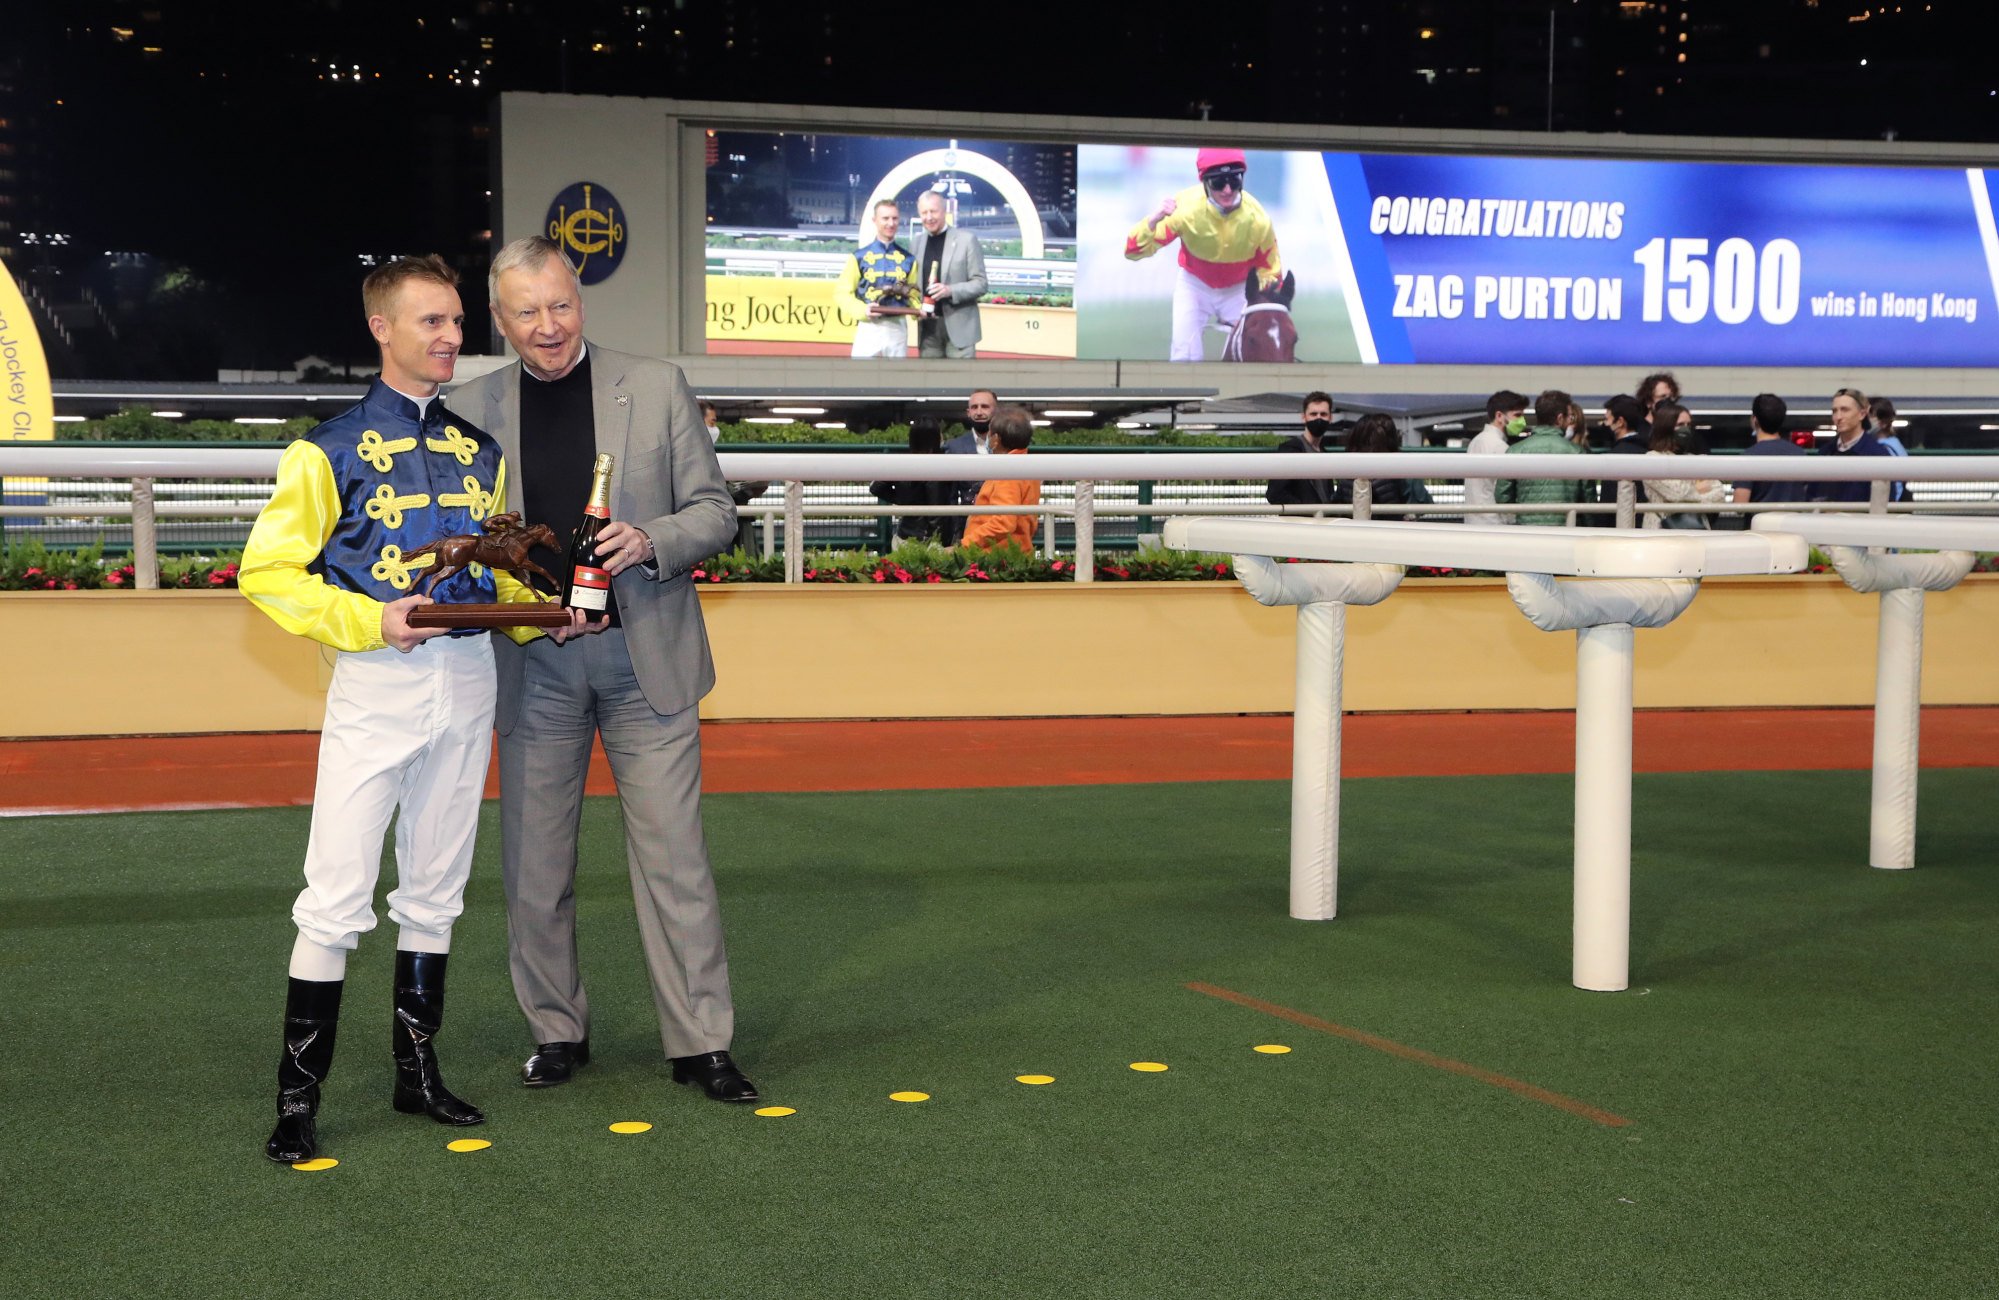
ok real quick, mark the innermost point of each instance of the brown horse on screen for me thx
(504, 545)
(1265, 331)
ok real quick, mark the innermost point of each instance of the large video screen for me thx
(1135, 252)
(786, 212)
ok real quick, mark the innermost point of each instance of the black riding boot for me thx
(312, 1014)
(412, 1036)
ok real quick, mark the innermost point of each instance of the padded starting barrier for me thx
(1656, 577)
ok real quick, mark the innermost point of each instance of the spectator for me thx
(1546, 439)
(1317, 415)
(1849, 414)
(1660, 386)
(974, 441)
(1502, 411)
(1672, 425)
(1574, 427)
(1624, 422)
(952, 271)
(1377, 433)
(1883, 412)
(1013, 432)
(1766, 420)
(740, 493)
(925, 439)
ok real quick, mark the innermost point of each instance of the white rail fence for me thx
(1084, 488)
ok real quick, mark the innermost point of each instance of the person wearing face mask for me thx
(976, 440)
(1317, 416)
(741, 493)
(1224, 234)
(1503, 411)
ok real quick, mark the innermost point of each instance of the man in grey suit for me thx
(637, 677)
(952, 271)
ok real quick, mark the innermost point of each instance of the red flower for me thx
(217, 580)
(115, 579)
(812, 575)
(976, 572)
(32, 573)
(228, 570)
(902, 574)
(699, 573)
(69, 586)
(50, 585)
(935, 577)
(880, 576)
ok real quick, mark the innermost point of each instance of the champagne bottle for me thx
(588, 586)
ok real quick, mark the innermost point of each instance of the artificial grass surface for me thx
(1805, 1058)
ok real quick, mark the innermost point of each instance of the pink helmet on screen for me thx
(1208, 159)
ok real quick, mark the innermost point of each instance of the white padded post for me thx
(1898, 708)
(1322, 593)
(1604, 616)
(1600, 947)
(1315, 762)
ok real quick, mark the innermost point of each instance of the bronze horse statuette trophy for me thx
(501, 546)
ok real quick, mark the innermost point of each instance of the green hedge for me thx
(135, 425)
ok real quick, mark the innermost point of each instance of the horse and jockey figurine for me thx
(503, 545)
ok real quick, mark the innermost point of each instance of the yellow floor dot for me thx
(1270, 1049)
(775, 1111)
(1034, 1078)
(314, 1166)
(1148, 1067)
(630, 1126)
(909, 1096)
(467, 1144)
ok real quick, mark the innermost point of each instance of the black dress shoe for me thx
(553, 1063)
(716, 1074)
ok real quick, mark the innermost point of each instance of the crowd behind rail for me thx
(1650, 421)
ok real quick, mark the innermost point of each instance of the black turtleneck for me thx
(558, 448)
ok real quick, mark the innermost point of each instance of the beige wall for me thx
(123, 663)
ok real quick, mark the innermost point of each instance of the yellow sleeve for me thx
(1270, 267)
(289, 534)
(512, 591)
(850, 278)
(1142, 242)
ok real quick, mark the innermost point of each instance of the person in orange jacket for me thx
(1012, 430)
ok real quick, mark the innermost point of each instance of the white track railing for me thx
(141, 466)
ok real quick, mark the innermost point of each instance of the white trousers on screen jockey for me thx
(887, 337)
(410, 732)
(1195, 303)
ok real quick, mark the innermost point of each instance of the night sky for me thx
(230, 150)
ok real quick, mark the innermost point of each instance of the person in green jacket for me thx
(1546, 438)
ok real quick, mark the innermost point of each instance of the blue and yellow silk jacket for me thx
(354, 497)
(875, 267)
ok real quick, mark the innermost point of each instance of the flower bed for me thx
(29, 566)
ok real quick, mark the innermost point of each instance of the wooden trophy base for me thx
(539, 614)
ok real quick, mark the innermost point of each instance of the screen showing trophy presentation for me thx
(1137, 252)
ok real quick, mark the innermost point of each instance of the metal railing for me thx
(1089, 487)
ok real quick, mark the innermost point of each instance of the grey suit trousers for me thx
(569, 693)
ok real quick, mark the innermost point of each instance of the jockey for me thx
(1223, 234)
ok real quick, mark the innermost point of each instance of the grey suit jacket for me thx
(665, 480)
(963, 268)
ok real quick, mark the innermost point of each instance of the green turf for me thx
(1805, 1055)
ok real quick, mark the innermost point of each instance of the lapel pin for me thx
(624, 399)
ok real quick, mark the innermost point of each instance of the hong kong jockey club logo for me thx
(587, 220)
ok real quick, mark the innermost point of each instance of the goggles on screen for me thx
(1223, 178)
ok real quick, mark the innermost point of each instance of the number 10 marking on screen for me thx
(1735, 284)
